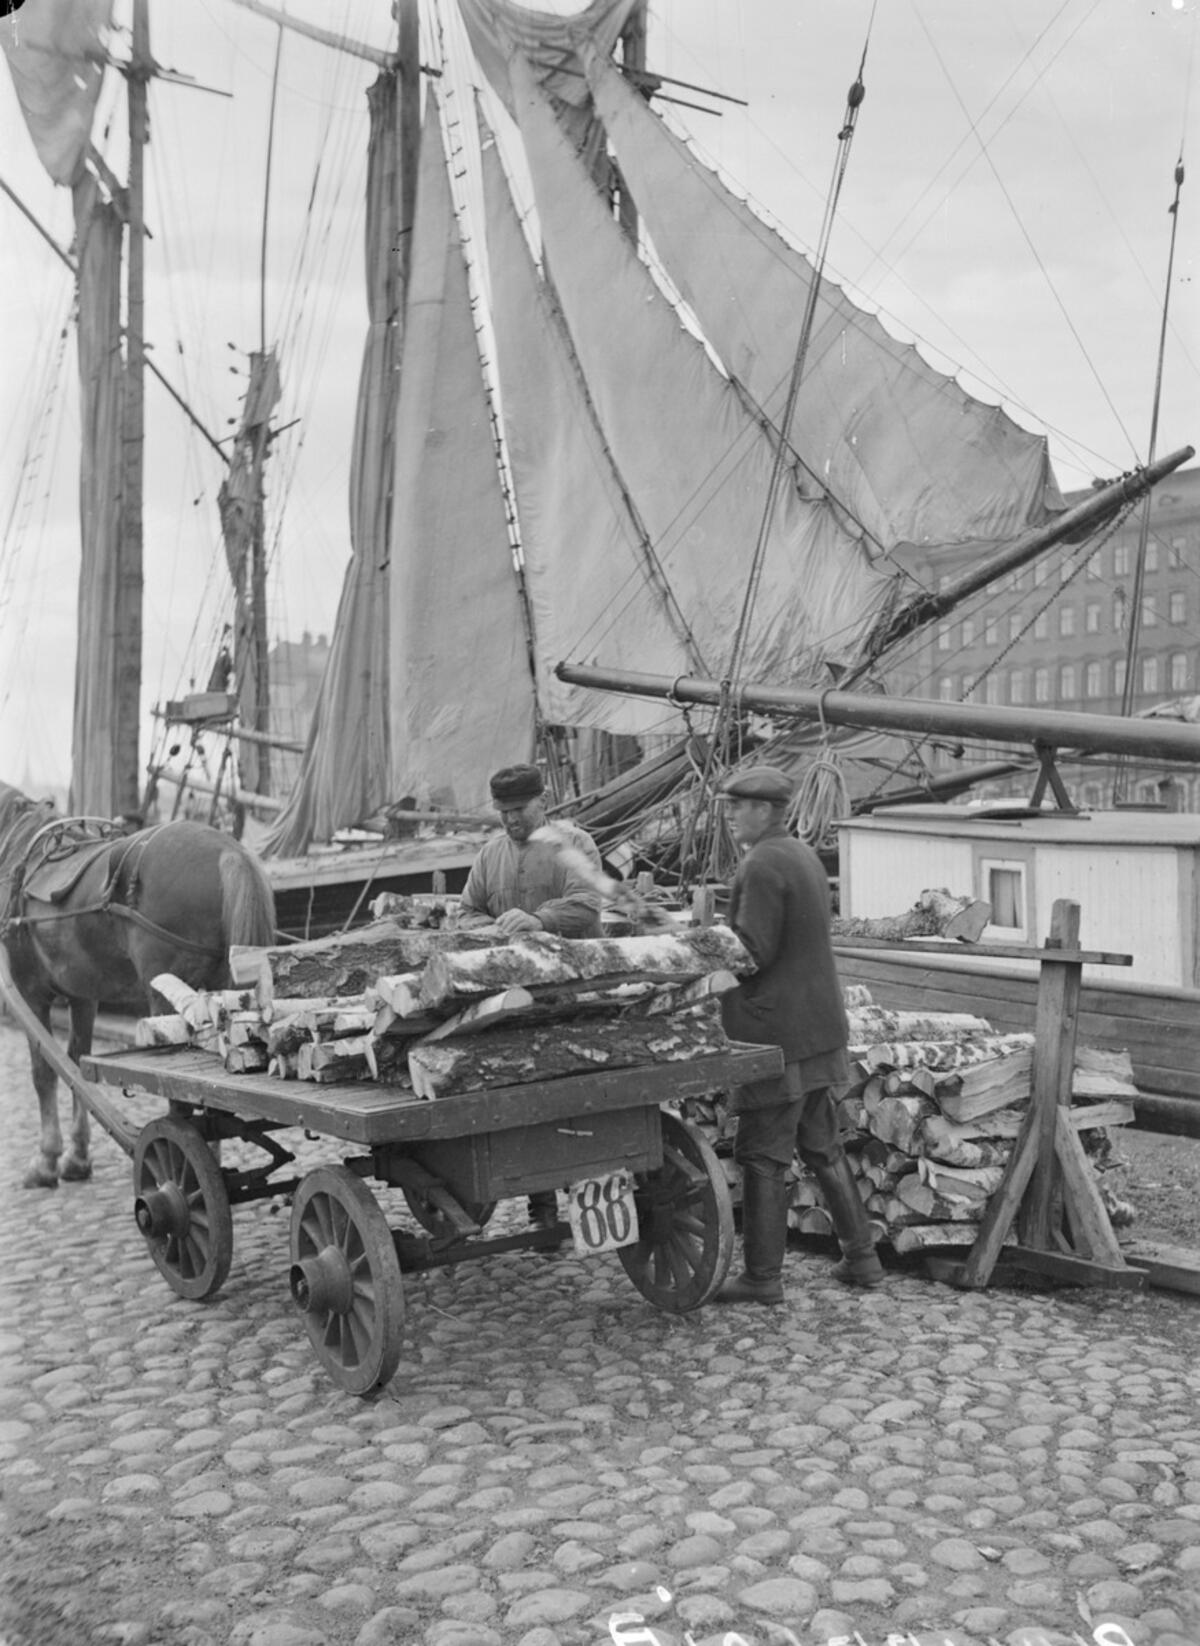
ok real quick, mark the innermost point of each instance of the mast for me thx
(127, 626)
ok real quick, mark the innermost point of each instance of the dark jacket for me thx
(779, 907)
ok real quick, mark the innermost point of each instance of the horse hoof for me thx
(72, 1170)
(40, 1177)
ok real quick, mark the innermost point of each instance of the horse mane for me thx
(20, 820)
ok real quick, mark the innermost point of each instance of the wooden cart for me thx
(640, 1180)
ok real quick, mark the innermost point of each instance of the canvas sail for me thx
(462, 697)
(55, 51)
(693, 457)
(911, 456)
(344, 779)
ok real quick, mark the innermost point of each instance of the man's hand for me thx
(516, 920)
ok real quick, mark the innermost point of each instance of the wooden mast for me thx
(127, 663)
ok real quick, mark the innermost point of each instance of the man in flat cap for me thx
(779, 907)
(525, 885)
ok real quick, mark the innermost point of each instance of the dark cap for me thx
(758, 783)
(517, 783)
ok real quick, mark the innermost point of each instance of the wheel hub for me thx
(322, 1284)
(162, 1212)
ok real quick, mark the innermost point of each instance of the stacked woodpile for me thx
(442, 1011)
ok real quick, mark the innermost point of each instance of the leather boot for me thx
(764, 1237)
(860, 1265)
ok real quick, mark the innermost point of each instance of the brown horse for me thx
(89, 914)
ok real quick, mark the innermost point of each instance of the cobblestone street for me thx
(554, 1456)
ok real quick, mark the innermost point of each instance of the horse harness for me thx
(73, 843)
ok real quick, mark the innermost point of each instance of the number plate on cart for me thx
(602, 1213)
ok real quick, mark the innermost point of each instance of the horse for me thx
(90, 913)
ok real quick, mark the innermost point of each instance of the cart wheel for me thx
(345, 1277)
(435, 1222)
(685, 1223)
(181, 1207)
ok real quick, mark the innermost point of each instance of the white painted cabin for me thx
(1135, 876)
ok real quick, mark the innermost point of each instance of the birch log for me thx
(936, 913)
(342, 965)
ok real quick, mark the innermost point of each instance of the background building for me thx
(1055, 635)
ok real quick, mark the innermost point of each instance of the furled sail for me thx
(592, 575)
(93, 773)
(462, 697)
(911, 456)
(691, 454)
(342, 778)
(55, 51)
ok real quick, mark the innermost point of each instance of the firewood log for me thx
(168, 1029)
(934, 914)
(897, 1121)
(245, 1059)
(945, 1054)
(871, 1024)
(342, 965)
(1000, 1082)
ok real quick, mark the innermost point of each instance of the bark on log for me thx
(897, 1121)
(342, 965)
(945, 1054)
(450, 978)
(168, 1029)
(508, 1057)
(871, 1024)
(999, 1083)
(934, 914)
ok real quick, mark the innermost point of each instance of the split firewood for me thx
(507, 1057)
(940, 1139)
(871, 1024)
(283, 1065)
(976, 1184)
(342, 965)
(897, 1121)
(331, 1022)
(450, 977)
(934, 914)
(388, 1062)
(327, 1065)
(289, 1005)
(401, 992)
(997, 1083)
(917, 1202)
(945, 1054)
(923, 1237)
(169, 1029)
(810, 1220)
(483, 1014)
(245, 1059)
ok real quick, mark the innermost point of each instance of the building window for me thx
(1002, 884)
(1118, 611)
(1179, 671)
(946, 688)
(1091, 620)
(1093, 565)
(1121, 560)
(1014, 626)
(1151, 555)
(1176, 557)
(943, 637)
(1019, 578)
(1093, 680)
(1067, 682)
(1119, 677)
(989, 631)
(1016, 687)
(968, 631)
(1041, 685)
(1149, 611)
(1064, 571)
(1066, 620)
(1041, 626)
(991, 688)
(1178, 607)
(1039, 574)
(1149, 674)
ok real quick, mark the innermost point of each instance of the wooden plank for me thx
(1091, 1231)
(1078, 1270)
(368, 1114)
(1172, 1268)
(1053, 1063)
(983, 951)
(1002, 1208)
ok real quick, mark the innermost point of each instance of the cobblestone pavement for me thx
(554, 1458)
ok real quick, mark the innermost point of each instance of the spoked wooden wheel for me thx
(345, 1278)
(434, 1220)
(181, 1207)
(685, 1223)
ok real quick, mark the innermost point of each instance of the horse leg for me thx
(76, 1164)
(43, 1169)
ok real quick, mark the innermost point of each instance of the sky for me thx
(1006, 207)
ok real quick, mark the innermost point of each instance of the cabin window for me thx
(1149, 674)
(1179, 671)
(1067, 686)
(1149, 612)
(1092, 617)
(1178, 607)
(1094, 680)
(1041, 626)
(1041, 685)
(1121, 560)
(1003, 882)
(1066, 620)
